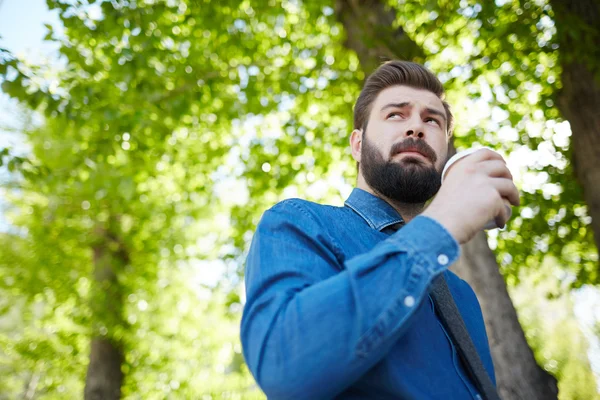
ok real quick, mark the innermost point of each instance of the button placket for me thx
(409, 301)
(443, 259)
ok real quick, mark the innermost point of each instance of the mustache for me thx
(414, 145)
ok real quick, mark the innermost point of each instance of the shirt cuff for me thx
(426, 239)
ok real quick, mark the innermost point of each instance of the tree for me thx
(545, 311)
(578, 35)
(111, 160)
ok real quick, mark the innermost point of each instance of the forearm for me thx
(314, 345)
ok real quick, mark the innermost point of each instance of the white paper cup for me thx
(462, 154)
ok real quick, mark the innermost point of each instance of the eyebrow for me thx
(408, 104)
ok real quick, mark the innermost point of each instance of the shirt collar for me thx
(375, 211)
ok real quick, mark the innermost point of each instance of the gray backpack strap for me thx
(452, 320)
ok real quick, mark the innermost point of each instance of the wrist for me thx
(446, 220)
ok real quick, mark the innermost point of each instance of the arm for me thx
(311, 326)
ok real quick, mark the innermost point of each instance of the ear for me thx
(356, 144)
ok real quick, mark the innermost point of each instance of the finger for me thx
(495, 169)
(486, 154)
(507, 189)
(502, 218)
(503, 214)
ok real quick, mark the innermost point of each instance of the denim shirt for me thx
(337, 307)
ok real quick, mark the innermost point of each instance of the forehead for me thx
(402, 94)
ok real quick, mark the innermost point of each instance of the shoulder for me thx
(297, 224)
(302, 211)
(294, 205)
(303, 219)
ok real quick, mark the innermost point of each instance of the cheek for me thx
(441, 150)
(381, 148)
(385, 147)
(377, 140)
(384, 129)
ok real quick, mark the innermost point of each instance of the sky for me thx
(21, 26)
(22, 31)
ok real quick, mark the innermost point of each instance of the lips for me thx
(414, 146)
(414, 151)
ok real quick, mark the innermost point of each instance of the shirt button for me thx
(409, 301)
(443, 259)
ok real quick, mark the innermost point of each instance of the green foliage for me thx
(175, 124)
(546, 314)
(507, 55)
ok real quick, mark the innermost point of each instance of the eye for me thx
(435, 121)
(394, 114)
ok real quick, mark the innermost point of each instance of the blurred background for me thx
(141, 140)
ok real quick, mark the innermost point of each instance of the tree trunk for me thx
(370, 33)
(578, 32)
(104, 375)
(517, 373)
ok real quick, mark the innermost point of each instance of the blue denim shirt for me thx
(337, 307)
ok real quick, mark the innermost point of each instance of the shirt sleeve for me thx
(312, 325)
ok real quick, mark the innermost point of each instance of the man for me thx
(337, 297)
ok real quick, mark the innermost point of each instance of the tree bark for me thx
(104, 375)
(578, 33)
(369, 25)
(370, 33)
(517, 373)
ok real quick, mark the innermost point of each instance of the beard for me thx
(407, 181)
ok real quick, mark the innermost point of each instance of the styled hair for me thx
(394, 73)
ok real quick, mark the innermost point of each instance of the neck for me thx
(406, 210)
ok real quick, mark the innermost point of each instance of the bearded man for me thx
(338, 298)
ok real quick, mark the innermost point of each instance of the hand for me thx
(472, 194)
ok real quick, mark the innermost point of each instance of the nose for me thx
(418, 133)
(415, 128)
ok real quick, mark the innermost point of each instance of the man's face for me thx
(405, 144)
